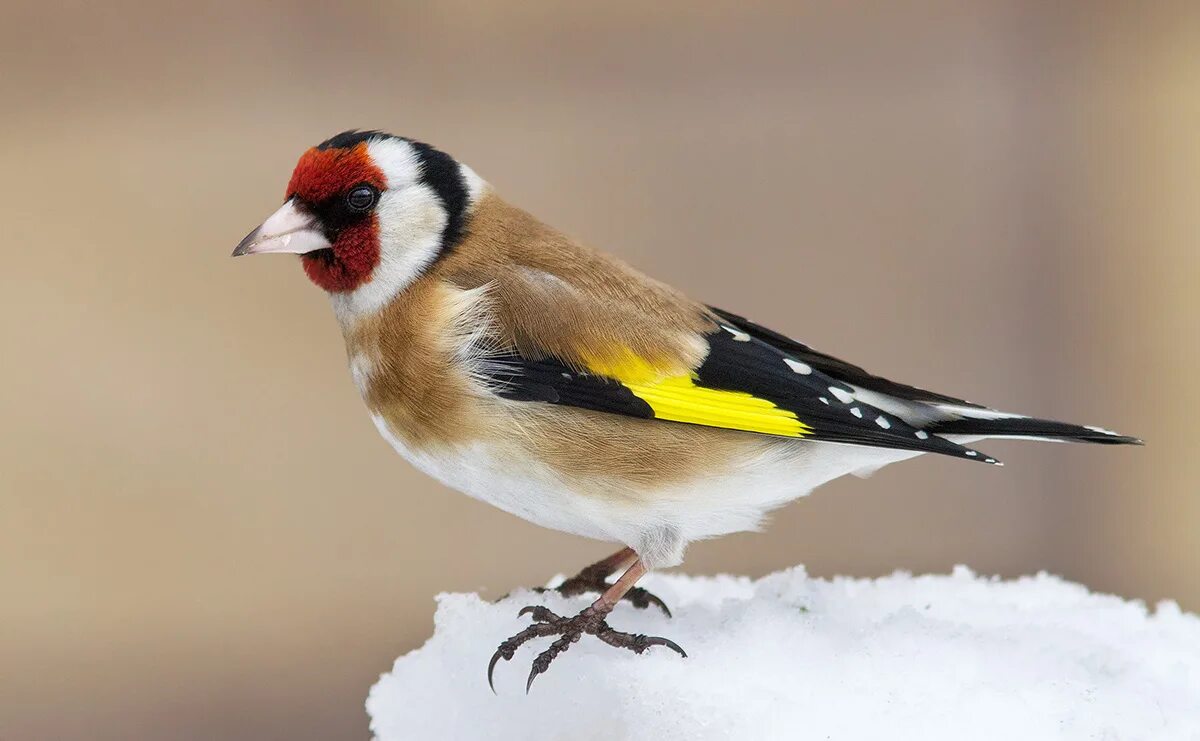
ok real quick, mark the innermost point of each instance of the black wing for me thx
(835, 367)
(939, 413)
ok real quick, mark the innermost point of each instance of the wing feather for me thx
(743, 384)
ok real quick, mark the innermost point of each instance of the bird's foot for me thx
(569, 630)
(589, 581)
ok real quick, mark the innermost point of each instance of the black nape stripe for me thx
(439, 171)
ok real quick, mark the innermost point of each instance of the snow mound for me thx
(788, 656)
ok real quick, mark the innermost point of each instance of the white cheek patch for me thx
(397, 159)
(410, 221)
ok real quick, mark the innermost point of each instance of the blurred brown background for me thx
(201, 534)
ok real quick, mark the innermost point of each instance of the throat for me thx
(349, 263)
(334, 274)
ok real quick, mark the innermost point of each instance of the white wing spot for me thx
(802, 368)
(972, 453)
(977, 412)
(738, 335)
(824, 400)
(843, 396)
(922, 435)
(856, 412)
(882, 422)
(566, 376)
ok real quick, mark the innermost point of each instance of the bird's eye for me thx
(361, 198)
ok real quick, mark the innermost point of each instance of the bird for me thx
(554, 381)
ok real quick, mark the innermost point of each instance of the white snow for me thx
(788, 656)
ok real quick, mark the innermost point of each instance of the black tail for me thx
(1030, 427)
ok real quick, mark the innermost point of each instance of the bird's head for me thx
(367, 212)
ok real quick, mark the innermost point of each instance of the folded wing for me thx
(738, 381)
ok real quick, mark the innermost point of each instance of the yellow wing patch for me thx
(677, 398)
(629, 368)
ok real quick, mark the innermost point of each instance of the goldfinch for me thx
(516, 365)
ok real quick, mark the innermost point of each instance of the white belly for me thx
(660, 524)
(511, 482)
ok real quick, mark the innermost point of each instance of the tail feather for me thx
(1030, 427)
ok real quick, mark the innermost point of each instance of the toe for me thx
(542, 662)
(578, 585)
(637, 643)
(642, 599)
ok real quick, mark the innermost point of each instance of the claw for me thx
(642, 643)
(539, 614)
(669, 644)
(491, 668)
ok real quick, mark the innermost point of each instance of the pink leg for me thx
(594, 579)
(614, 594)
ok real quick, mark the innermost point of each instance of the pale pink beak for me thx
(287, 230)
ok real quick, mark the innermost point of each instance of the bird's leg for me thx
(594, 579)
(592, 621)
(597, 574)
